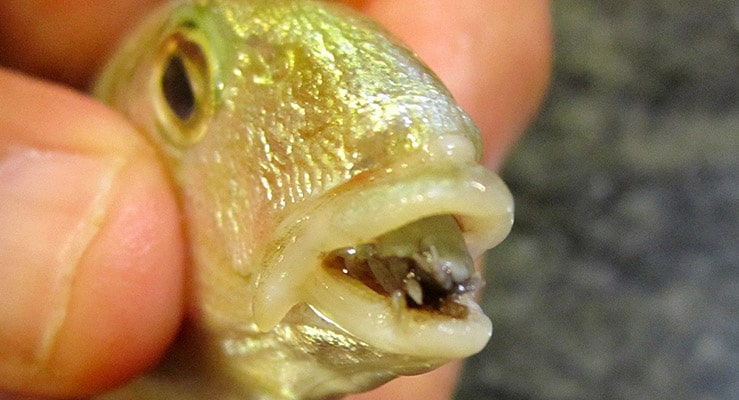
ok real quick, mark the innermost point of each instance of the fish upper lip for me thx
(361, 209)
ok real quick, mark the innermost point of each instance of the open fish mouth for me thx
(423, 265)
(387, 257)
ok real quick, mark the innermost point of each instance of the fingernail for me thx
(52, 204)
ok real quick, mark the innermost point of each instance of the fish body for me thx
(332, 194)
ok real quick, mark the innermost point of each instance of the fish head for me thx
(327, 176)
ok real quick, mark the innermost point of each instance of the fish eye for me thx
(183, 87)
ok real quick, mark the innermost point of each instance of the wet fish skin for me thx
(293, 128)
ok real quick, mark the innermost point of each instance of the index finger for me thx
(65, 40)
(493, 55)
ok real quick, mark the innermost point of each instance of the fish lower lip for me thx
(358, 212)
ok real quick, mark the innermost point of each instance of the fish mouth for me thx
(423, 265)
(387, 258)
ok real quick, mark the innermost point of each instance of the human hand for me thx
(91, 250)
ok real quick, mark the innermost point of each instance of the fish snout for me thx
(388, 255)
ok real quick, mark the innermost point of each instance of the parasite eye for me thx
(184, 87)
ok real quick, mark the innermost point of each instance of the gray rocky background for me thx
(620, 279)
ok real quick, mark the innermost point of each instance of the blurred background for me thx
(620, 279)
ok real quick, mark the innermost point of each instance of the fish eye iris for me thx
(183, 85)
(177, 88)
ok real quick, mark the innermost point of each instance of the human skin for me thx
(92, 253)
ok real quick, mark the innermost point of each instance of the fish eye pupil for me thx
(177, 88)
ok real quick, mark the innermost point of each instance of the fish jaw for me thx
(368, 206)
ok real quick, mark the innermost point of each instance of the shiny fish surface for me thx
(332, 194)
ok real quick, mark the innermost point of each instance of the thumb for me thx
(91, 251)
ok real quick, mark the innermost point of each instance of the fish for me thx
(332, 196)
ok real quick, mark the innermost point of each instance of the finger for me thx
(90, 250)
(435, 385)
(65, 40)
(494, 55)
